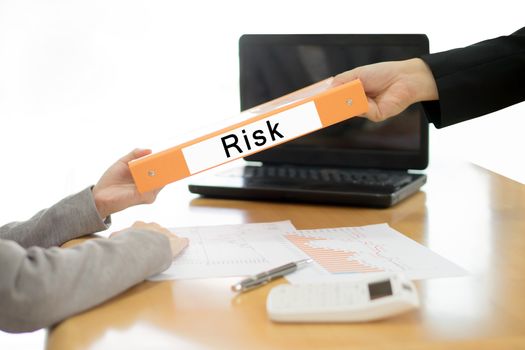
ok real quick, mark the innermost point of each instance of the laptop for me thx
(356, 162)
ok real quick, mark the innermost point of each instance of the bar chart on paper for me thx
(349, 251)
(333, 259)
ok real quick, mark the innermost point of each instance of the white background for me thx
(84, 82)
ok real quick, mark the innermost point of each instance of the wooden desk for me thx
(467, 214)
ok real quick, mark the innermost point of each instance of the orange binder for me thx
(272, 123)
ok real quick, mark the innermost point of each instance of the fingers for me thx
(151, 226)
(178, 244)
(136, 153)
(114, 234)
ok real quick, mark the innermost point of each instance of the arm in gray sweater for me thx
(72, 217)
(40, 286)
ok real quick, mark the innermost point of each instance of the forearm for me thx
(478, 79)
(72, 217)
(39, 287)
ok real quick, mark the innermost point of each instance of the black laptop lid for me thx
(274, 65)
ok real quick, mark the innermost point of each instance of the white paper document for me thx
(231, 250)
(348, 252)
(337, 253)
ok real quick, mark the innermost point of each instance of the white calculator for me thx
(369, 299)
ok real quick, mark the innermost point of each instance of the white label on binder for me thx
(251, 138)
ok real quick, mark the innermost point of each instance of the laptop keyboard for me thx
(329, 176)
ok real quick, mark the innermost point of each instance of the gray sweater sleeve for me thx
(72, 217)
(41, 286)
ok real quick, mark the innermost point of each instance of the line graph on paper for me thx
(231, 250)
(365, 249)
(221, 248)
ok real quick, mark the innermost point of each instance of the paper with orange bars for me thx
(348, 252)
(286, 118)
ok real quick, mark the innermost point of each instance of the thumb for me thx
(345, 77)
(373, 113)
(136, 153)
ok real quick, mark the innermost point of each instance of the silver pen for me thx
(267, 276)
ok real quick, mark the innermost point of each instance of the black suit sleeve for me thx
(477, 79)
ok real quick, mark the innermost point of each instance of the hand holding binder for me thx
(286, 118)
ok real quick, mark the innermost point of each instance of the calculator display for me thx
(380, 289)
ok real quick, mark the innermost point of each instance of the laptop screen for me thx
(275, 65)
